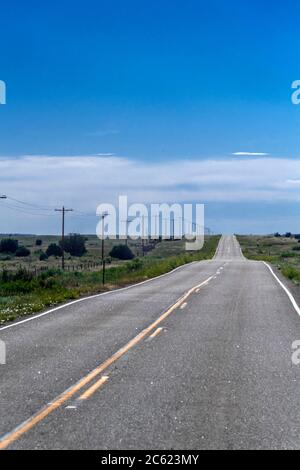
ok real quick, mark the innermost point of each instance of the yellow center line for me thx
(156, 332)
(90, 391)
(27, 425)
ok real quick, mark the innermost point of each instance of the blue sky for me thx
(154, 82)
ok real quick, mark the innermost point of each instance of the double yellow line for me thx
(26, 426)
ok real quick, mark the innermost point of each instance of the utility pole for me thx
(127, 229)
(127, 225)
(173, 229)
(63, 211)
(142, 238)
(105, 214)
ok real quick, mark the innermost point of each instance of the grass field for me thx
(281, 251)
(23, 294)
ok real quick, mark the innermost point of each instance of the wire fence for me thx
(35, 271)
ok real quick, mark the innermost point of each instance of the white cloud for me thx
(250, 154)
(90, 178)
(293, 181)
(105, 154)
(82, 182)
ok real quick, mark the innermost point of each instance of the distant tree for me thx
(22, 252)
(288, 235)
(122, 252)
(74, 244)
(39, 242)
(8, 245)
(54, 250)
(43, 256)
(277, 235)
(297, 236)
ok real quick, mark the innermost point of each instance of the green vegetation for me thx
(22, 293)
(281, 251)
(22, 252)
(74, 244)
(8, 245)
(54, 250)
(122, 252)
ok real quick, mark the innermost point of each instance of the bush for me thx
(291, 273)
(39, 242)
(74, 244)
(43, 256)
(54, 250)
(8, 245)
(22, 252)
(135, 265)
(122, 252)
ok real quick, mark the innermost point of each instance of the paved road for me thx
(197, 359)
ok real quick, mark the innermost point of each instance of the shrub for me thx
(22, 252)
(39, 242)
(8, 245)
(43, 256)
(74, 244)
(54, 250)
(291, 273)
(288, 254)
(135, 265)
(122, 252)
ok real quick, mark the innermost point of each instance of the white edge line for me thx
(290, 296)
(40, 315)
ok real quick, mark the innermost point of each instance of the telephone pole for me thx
(63, 211)
(102, 216)
(173, 229)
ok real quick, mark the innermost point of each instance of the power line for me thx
(26, 211)
(37, 206)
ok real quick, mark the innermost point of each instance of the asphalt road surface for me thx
(200, 358)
